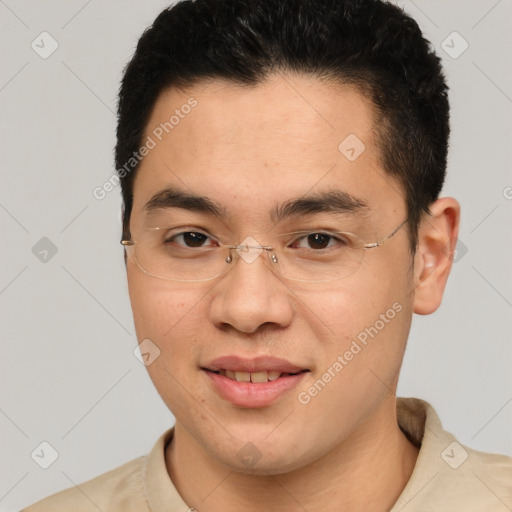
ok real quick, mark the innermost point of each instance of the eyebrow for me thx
(175, 198)
(330, 201)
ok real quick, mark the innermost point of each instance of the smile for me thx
(253, 383)
(256, 377)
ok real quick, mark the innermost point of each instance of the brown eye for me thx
(189, 239)
(319, 240)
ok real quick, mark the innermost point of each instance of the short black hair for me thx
(371, 44)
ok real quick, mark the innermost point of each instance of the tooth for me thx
(273, 375)
(259, 377)
(229, 374)
(243, 376)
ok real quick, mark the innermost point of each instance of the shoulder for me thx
(448, 474)
(121, 489)
(493, 473)
(472, 481)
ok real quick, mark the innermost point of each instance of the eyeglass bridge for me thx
(249, 250)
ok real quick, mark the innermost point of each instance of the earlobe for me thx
(437, 238)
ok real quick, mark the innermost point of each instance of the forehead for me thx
(253, 147)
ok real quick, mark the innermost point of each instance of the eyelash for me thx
(181, 233)
(304, 235)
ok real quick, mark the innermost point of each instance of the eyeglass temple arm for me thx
(377, 244)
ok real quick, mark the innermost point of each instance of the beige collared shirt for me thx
(447, 477)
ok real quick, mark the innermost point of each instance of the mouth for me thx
(253, 383)
(259, 377)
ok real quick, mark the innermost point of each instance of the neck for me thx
(368, 471)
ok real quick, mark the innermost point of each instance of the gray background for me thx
(68, 373)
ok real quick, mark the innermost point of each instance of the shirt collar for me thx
(434, 476)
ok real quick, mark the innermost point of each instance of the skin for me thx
(250, 148)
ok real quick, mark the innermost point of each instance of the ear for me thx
(437, 239)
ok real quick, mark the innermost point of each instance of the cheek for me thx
(367, 325)
(164, 312)
(360, 359)
(346, 307)
(171, 317)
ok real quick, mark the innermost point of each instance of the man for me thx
(281, 164)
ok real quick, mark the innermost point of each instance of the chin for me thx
(266, 467)
(263, 459)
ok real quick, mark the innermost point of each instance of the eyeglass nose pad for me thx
(273, 258)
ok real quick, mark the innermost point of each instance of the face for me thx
(251, 152)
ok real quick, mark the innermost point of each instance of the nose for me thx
(251, 295)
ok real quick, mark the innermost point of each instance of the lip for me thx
(257, 364)
(248, 394)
